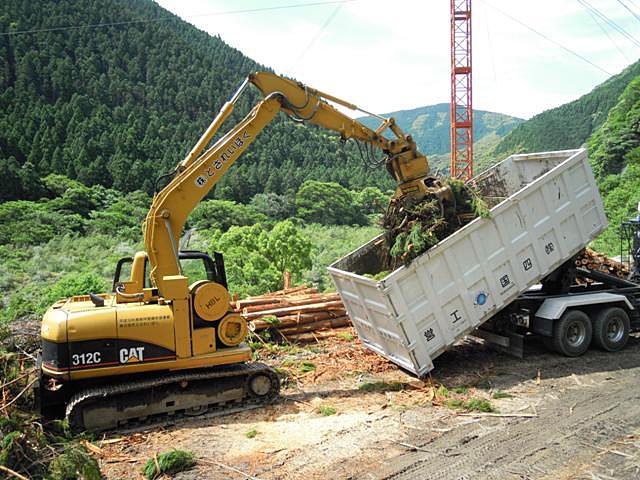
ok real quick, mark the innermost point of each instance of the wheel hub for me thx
(615, 330)
(576, 334)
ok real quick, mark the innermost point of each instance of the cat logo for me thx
(130, 355)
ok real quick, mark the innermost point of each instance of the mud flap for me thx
(510, 343)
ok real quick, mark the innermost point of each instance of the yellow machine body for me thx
(159, 319)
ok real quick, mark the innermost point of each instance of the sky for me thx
(386, 56)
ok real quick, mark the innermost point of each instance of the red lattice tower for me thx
(461, 105)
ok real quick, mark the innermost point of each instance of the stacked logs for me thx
(294, 311)
(593, 260)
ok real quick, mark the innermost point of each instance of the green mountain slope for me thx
(117, 106)
(615, 156)
(430, 125)
(570, 125)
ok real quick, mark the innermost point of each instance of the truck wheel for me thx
(572, 333)
(611, 329)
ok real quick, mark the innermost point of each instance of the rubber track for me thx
(78, 400)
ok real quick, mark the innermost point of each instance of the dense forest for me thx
(615, 156)
(117, 106)
(571, 124)
(606, 121)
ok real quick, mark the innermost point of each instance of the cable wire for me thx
(637, 17)
(604, 30)
(549, 39)
(617, 27)
(318, 33)
(168, 19)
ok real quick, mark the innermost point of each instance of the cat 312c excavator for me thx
(160, 344)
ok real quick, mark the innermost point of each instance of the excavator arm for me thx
(197, 174)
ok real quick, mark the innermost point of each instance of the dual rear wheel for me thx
(574, 332)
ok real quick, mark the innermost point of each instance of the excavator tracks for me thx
(160, 400)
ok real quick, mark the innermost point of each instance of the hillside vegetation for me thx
(615, 156)
(120, 105)
(571, 124)
(429, 126)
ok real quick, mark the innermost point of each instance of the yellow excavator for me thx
(163, 343)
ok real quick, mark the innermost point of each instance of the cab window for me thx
(194, 269)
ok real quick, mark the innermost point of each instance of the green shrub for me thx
(326, 410)
(382, 386)
(75, 463)
(76, 284)
(499, 395)
(169, 462)
(307, 367)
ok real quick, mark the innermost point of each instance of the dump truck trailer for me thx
(499, 277)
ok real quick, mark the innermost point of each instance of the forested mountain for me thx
(571, 124)
(615, 155)
(430, 126)
(119, 105)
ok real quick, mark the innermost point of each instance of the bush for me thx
(25, 223)
(75, 284)
(328, 203)
(255, 258)
(371, 200)
(223, 214)
(73, 464)
(169, 463)
(277, 207)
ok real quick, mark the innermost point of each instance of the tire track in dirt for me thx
(514, 448)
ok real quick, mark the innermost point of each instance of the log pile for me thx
(294, 311)
(593, 260)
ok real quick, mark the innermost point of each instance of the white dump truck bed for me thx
(547, 208)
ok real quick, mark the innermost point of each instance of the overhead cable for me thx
(549, 39)
(613, 24)
(172, 18)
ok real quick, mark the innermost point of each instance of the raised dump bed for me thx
(546, 208)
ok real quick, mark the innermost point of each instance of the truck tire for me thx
(611, 329)
(572, 333)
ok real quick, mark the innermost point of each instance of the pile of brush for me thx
(294, 311)
(412, 228)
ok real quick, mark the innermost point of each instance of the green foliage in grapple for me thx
(412, 228)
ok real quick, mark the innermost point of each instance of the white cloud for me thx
(386, 56)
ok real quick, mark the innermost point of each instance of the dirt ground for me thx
(559, 418)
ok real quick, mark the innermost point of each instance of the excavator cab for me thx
(194, 264)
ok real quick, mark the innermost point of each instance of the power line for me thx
(168, 19)
(630, 11)
(621, 30)
(319, 32)
(558, 44)
(604, 30)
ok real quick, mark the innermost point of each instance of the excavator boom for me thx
(197, 174)
(165, 343)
